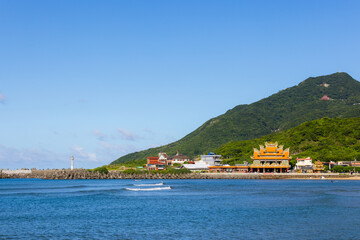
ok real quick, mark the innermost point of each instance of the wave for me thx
(149, 185)
(148, 189)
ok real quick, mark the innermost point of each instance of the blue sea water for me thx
(191, 209)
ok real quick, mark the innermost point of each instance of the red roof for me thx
(325, 97)
(155, 162)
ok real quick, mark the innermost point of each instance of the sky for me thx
(101, 79)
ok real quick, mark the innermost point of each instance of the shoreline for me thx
(84, 174)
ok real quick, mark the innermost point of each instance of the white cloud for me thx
(13, 158)
(127, 135)
(2, 98)
(82, 155)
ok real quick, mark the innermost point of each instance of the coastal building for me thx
(178, 158)
(318, 167)
(163, 157)
(355, 163)
(205, 162)
(330, 164)
(271, 158)
(211, 159)
(304, 165)
(238, 168)
(343, 163)
(153, 163)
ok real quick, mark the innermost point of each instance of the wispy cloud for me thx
(100, 135)
(2, 98)
(127, 135)
(109, 146)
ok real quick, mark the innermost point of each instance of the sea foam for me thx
(148, 189)
(149, 184)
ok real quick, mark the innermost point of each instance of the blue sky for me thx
(100, 79)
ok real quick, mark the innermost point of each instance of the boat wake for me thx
(149, 189)
(149, 185)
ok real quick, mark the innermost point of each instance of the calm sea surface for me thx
(191, 209)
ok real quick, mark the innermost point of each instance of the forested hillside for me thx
(324, 139)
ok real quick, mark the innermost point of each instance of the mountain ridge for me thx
(280, 111)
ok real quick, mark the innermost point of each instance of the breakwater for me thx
(85, 174)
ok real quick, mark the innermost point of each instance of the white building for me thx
(206, 161)
(163, 157)
(178, 158)
(211, 159)
(304, 165)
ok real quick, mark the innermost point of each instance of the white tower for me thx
(72, 162)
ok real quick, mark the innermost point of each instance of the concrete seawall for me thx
(85, 174)
(11, 172)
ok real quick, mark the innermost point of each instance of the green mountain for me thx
(325, 139)
(281, 111)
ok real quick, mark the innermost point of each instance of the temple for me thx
(270, 159)
(318, 167)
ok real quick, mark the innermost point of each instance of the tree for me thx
(102, 170)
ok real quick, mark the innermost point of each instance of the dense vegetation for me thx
(324, 139)
(102, 170)
(342, 169)
(281, 111)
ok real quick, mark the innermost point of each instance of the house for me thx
(330, 165)
(154, 163)
(304, 165)
(163, 157)
(344, 163)
(178, 158)
(355, 163)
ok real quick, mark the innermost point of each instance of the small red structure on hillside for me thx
(325, 98)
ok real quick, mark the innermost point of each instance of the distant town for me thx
(271, 158)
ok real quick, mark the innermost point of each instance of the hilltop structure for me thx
(271, 158)
(325, 98)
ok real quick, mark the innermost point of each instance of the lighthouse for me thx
(72, 162)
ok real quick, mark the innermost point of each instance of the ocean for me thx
(179, 209)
